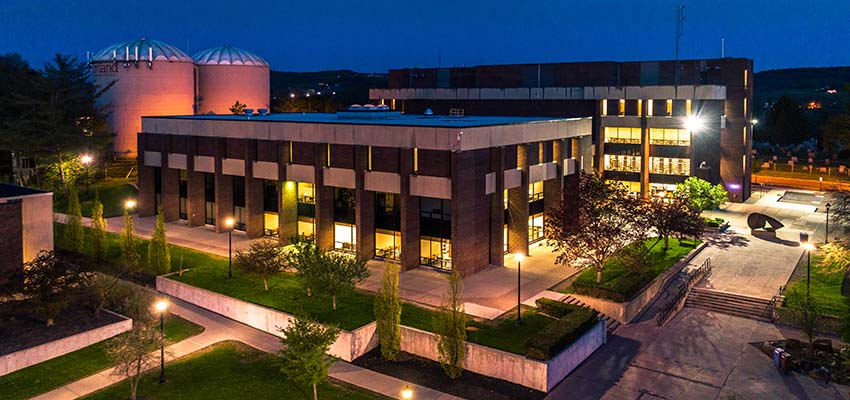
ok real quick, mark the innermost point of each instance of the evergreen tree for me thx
(129, 250)
(159, 255)
(388, 312)
(74, 221)
(97, 233)
(450, 327)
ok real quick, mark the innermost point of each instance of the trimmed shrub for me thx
(554, 338)
(621, 290)
(554, 308)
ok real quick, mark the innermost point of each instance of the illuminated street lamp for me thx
(86, 160)
(804, 239)
(161, 306)
(229, 224)
(407, 393)
(826, 238)
(754, 122)
(129, 205)
(518, 257)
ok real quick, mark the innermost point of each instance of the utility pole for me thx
(680, 20)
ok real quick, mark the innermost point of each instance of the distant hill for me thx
(350, 87)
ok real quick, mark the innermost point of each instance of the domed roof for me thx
(229, 55)
(147, 47)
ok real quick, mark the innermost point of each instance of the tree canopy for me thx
(786, 122)
(701, 194)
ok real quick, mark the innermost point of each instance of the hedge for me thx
(554, 308)
(619, 291)
(554, 338)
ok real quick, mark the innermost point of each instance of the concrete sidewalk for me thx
(218, 329)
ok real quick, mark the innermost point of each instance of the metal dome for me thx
(229, 55)
(147, 48)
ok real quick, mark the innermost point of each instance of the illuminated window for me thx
(306, 227)
(670, 166)
(688, 107)
(388, 244)
(535, 227)
(604, 107)
(669, 137)
(369, 158)
(328, 161)
(631, 186)
(535, 191)
(415, 160)
(744, 162)
(622, 163)
(621, 107)
(745, 135)
(640, 107)
(668, 109)
(622, 135)
(745, 77)
(392, 104)
(435, 252)
(505, 198)
(649, 107)
(345, 237)
(306, 193)
(290, 151)
(505, 238)
(745, 107)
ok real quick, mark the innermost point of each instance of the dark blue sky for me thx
(375, 35)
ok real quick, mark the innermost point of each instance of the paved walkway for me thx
(218, 329)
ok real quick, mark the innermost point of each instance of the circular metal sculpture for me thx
(761, 221)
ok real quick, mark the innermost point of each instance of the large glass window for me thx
(306, 227)
(622, 163)
(270, 213)
(209, 199)
(183, 191)
(670, 166)
(239, 214)
(306, 193)
(631, 186)
(344, 203)
(345, 237)
(669, 136)
(435, 221)
(388, 244)
(436, 252)
(535, 227)
(535, 191)
(387, 226)
(622, 135)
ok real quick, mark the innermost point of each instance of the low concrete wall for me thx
(626, 312)
(24, 358)
(535, 374)
(348, 346)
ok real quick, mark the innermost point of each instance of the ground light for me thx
(407, 393)
(229, 222)
(161, 306)
(518, 257)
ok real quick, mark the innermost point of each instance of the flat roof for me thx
(7, 190)
(384, 118)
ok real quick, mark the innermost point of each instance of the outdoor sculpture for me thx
(761, 221)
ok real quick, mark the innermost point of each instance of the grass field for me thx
(227, 371)
(825, 286)
(41, 378)
(113, 193)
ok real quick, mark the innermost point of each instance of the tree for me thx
(263, 258)
(302, 359)
(306, 259)
(702, 195)
(97, 233)
(786, 123)
(673, 217)
(159, 254)
(388, 312)
(238, 108)
(836, 133)
(129, 249)
(450, 327)
(50, 283)
(74, 221)
(341, 272)
(134, 352)
(594, 223)
(105, 290)
(806, 311)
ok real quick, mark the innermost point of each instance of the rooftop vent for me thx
(248, 111)
(429, 111)
(262, 111)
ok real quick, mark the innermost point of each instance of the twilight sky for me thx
(375, 35)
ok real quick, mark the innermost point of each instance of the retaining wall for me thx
(535, 374)
(348, 346)
(626, 312)
(24, 358)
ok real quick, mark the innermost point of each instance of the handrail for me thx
(768, 311)
(692, 278)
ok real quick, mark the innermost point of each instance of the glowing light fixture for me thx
(808, 246)
(86, 159)
(130, 204)
(161, 306)
(407, 393)
(694, 123)
(229, 221)
(754, 121)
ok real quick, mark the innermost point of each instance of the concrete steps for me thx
(729, 303)
(611, 324)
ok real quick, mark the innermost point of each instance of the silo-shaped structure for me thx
(228, 74)
(151, 78)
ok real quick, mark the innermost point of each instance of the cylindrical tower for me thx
(151, 78)
(228, 74)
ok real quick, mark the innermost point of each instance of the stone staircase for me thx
(730, 304)
(611, 324)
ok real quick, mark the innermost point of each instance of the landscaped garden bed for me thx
(70, 367)
(22, 330)
(228, 370)
(823, 362)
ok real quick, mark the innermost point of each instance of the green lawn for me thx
(41, 378)
(113, 193)
(620, 284)
(825, 286)
(800, 173)
(227, 371)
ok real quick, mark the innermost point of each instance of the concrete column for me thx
(147, 192)
(223, 189)
(409, 214)
(324, 202)
(194, 188)
(364, 205)
(253, 195)
(287, 205)
(518, 207)
(470, 212)
(170, 186)
(497, 211)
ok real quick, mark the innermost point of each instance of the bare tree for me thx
(134, 352)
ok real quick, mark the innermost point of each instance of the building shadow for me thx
(598, 373)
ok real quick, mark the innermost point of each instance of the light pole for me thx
(87, 159)
(826, 234)
(229, 224)
(518, 257)
(804, 239)
(161, 306)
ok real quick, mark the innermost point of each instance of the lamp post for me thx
(86, 160)
(826, 234)
(229, 224)
(161, 306)
(804, 239)
(518, 257)
(129, 205)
